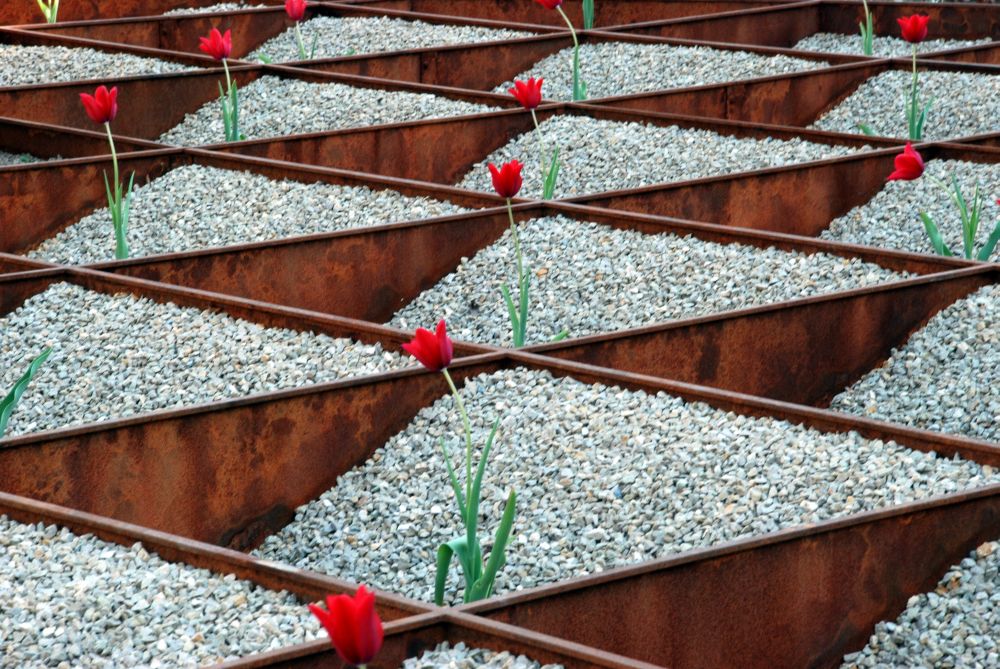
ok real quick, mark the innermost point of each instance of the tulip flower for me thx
(867, 32)
(910, 166)
(8, 403)
(353, 625)
(219, 46)
(50, 10)
(434, 351)
(915, 31)
(507, 182)
(296, 10)
(579, 87)
(529, 94)
(102, 107)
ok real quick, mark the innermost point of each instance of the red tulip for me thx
(296, 9)
(528, 93)
(549, 4)
(355, 629)
(217, 45)
(507, 180)
(909, 165)
(102, 106)
(914, 27)
(432, 349)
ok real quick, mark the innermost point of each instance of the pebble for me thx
(945, 378)
(26, 65)
(964, 104)
(274, 106)
(194, 207)
(219, 7)
(598, 155)
(620, 68)
(344, 36)
(656, 475)
(117, 355)
(17, 158)
(956, 625)
(460, 656)
(75, 600)
(591, 278)
(891, 219)
(883, 46)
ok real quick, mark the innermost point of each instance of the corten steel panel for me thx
(444, 150)
(31, 214)
(46, 141)
(803, 351)
(784, 26)
(607, 13)
(799, 598)
(792, 200)
(306, 585)
(411, 637)
(13, 12)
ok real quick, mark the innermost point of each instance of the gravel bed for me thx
(964, 104)
(956, 625)
(273, 106)
(591, 278)
(944, 378)
(26, 65)
(118, 355)
(72, 601)
(17, 158)
(194, 207)
(891, 219)
(336, 36)
(461, 656)
(220, 7)
(884, 46)
(598, 155)
(620, 68)
(605, 477)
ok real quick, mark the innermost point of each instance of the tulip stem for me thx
(541, 143)
(468, 435)
(118, 201)
(578, 93)
(517, 244)
(229, 81)
(114, 154)
(302, 45)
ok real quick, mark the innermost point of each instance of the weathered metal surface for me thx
(800, 598)
(46, 141)
(307, 585)
(15, 13)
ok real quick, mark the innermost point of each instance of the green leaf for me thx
(549, 186)
(445, 553)
(932, 231)
(512, 312)
(454, 482)
(264, 58)
(562, 335)
(8, 403)
(312, 49)
(472, 521)
(588, 14)
(525, 283)
(483, 587)
(991, 243)
(866, 129)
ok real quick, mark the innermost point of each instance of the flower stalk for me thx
(219, 46)
(102, 107)
(579, 85)
(914, 29)
(50, 10)
(529, 94)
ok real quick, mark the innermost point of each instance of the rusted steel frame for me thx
(252, 26)
(797, 598)
(982, 54)
(803, 351)
(482, 66)
(309, 586)
(47, 141)
(443, 150)
(794, 199)
(25, 14)
(789, 17)
(621, 11)
(947, 20)
(411, 637)
(37, 38)
(370, 273)
(31, 214)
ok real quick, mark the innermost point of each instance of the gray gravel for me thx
(605, 477)
(891, 219)
(965, 103)
(956, 625)
(194, 207)
(117, 355)
(590, 278)
(71, 601)
(17, 158)
(273, 106)
(620, 68)
(25, 65)
(884, 46)
(944, 378)
(598, 155)
(460, 656)
(342, 36)
(219, 7)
